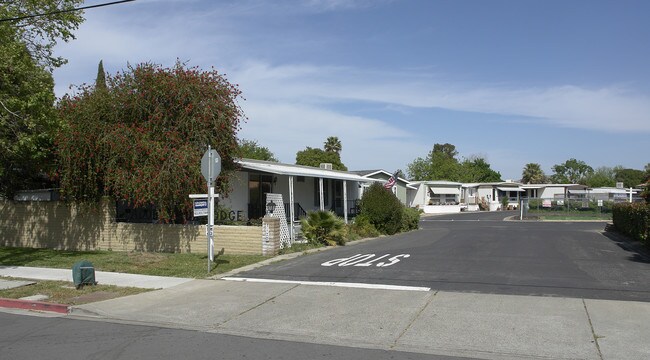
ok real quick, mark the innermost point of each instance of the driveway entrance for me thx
(479, 252)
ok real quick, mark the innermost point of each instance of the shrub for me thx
(633, 220)
(323, 227)
(382, 209)
(361, 228)
(410, 219)
(504, 203)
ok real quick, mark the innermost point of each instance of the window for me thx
(300, 179)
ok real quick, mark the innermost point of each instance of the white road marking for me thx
(361, 260)
(333, 284)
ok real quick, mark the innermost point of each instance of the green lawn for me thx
(162, 264)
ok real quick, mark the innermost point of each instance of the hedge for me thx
(633, 220)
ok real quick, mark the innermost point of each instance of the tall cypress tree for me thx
(100, 82)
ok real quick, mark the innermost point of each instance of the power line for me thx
(65, 11)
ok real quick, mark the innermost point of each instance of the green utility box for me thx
(83, 273)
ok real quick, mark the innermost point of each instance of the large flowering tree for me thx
(141, 137)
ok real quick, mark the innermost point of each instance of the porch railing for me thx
(298, 211)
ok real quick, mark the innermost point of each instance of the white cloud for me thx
(614, 109)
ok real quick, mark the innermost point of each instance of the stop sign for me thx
(211, 165)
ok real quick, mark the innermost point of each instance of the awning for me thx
(517, 189)
(445, 191)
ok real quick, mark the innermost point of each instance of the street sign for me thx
(211, 165)
(600, 203)
(200, 208)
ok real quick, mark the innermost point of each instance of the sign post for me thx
(210, 169)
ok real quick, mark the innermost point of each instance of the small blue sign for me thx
(200, 208)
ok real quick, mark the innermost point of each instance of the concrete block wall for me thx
(57, 225)
(270, 236)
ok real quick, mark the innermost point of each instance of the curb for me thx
(34, 305)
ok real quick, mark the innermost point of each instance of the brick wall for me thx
(58, 225)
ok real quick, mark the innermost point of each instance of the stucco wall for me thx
(57, 225)
(237, 199)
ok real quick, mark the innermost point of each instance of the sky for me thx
(515, 82)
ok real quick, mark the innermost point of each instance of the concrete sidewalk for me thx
(102, 277)
(474, 325)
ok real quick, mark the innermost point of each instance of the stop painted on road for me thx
(365, 260)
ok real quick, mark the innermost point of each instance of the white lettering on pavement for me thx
(367, 260)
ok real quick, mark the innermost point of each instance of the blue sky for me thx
(512, 81)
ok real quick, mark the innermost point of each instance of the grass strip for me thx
(62, 292)
(161, 264)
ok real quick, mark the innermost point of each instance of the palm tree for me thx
(533, 174)
(333, 144)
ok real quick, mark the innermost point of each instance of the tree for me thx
(40, 33)
(533, 174)
(630, 177)
(315, 157)
(142, 139)
(571, 171)
(440, 164)
(602, 176)
(100, 81)
(477, 169)
(28, 119)
(447, 149)
(333, 144)
(250, 149)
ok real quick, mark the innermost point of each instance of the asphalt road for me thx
(34, 338)
(479, 252)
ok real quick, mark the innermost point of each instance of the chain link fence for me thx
(567, 208)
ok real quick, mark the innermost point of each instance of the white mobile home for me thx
(303, 189)
(552, 191)
(491, 195)
(435, 197)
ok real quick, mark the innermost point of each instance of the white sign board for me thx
(200, 207)
(600, 203)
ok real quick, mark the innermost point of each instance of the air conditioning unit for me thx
(326, 166)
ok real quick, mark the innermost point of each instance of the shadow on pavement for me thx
(639, 252)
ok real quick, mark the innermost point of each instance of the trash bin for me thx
(83, 273)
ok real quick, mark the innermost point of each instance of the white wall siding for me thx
(237, 199)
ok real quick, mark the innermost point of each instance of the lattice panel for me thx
(285, 238)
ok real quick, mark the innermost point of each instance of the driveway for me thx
(481, 253)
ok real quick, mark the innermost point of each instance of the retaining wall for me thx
(57, 225)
